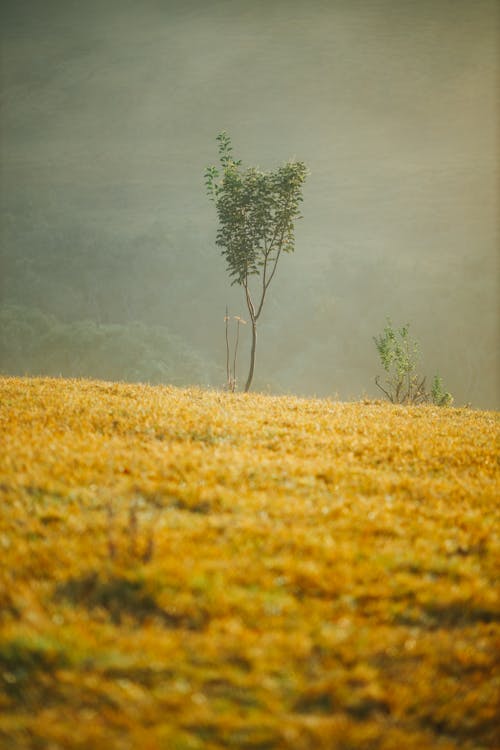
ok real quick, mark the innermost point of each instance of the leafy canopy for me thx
(257, 212)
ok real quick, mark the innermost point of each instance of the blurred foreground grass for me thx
(187, 570)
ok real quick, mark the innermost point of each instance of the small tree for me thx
(257, 213)
(399, 356)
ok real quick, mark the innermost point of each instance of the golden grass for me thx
(187, 569)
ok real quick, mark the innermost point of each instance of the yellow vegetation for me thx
(188, 569)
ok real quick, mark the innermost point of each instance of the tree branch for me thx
(383, 390)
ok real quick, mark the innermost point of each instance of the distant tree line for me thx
(37, 343)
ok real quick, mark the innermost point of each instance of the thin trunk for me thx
(252, 355)
(236, 351)
(228, 374)
(253, 318)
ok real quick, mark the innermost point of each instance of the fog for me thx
(109, 116)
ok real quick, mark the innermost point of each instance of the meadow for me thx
(186, 569)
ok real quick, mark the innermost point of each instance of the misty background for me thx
(109, 114)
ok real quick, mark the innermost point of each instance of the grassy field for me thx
(189, 569)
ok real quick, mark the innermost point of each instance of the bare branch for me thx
(383, 390)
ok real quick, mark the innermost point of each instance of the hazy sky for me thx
(113, 108)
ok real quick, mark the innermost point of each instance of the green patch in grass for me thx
(25, 663)
(123, 598)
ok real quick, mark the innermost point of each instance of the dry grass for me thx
(184, 569)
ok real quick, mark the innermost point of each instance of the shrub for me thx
(399, 357)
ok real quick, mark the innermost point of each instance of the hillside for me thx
(188, 569)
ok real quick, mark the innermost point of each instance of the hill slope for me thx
(189, 569)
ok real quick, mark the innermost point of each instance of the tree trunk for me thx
(252, 356)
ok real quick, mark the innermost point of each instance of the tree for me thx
(257, 213)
